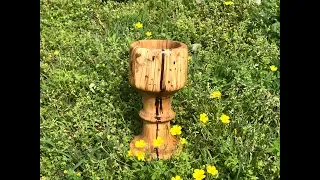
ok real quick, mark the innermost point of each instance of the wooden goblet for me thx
(158, 69)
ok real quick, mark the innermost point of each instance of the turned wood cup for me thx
(157, 70)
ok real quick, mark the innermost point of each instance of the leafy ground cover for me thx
(89, 113)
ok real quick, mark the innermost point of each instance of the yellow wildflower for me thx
(225, 119)
(215, 94)
(65, 171)
(203, 118)
(79, 174)
(212, 170)
(198, 174)
(148, 33)
(183, 141)
(140, 143)
(140, 155)
(129, 153)
(157, 142)
(235, 131)
(189, 58)
(56, 53)
(228, 3)
(175, 130)
(176, 178)
(138, 25)
(273, 68)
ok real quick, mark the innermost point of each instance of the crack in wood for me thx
(158, 101)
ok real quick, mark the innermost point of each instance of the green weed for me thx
(89, 113)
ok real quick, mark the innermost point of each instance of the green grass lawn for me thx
(89, 112)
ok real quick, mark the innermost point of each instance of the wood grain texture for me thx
(168, 147)
(146, 61)
(148, 113)
(157, 69)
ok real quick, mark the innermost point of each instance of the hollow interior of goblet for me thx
(158, 44)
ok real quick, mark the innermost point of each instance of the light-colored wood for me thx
(148, 113)
(145, 74)
(145, 65)
(148, 134)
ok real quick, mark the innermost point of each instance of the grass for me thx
(89, 113)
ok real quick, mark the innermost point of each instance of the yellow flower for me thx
(129, 153)
(140, 155)
(235, 131)
(203, 118)
(157, 142)
(140, 144)
(228, 3)
(215, 94)
(189, 58)
(175, 130)
(79, 174)
(273, 68)
(138, 25)
(183, 141)
(56, 53)
(176, 178)
(148, 33)
(198, 174)
(212, 170)
(65, 171)
(225, 119)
